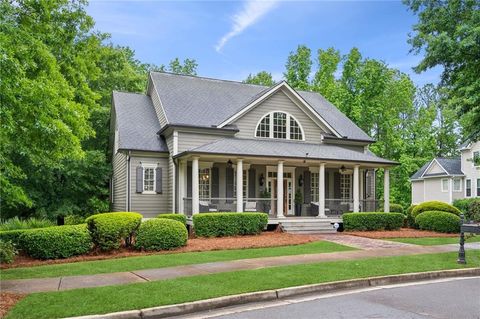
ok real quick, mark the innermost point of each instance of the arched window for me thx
(279, 125)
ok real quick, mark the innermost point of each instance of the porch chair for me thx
(250, 207)
(206, 207)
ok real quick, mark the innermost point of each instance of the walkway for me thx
(372, 248)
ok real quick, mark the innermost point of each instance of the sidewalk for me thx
(372, 248)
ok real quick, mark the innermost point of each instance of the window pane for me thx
(295, 132)
(204, 183)
(149, 179)
(345, 182)
(478, 186)
(457, 184)
(279, 125)
(468, 188)
(314, 186)
(263, 129)
(445, 184)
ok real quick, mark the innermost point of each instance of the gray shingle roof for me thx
(137, 123)
(276, 148)
(209, 102)
(453, 166)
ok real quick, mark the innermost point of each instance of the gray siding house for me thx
(448, 179)
(194, 144)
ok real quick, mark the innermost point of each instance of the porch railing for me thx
(261, 205)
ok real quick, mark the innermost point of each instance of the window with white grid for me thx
(345, 186)
(314, 186)
(263, 129)
(295, 131)
(279, 125)
(148, 179)
(245, 184)
(204, 183)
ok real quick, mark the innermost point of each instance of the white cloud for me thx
(251, 12)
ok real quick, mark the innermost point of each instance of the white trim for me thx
(202, 165)
(428, 167)
(287, 131)
(270, 92)
(471, 187)
(441, 185)
(153, 166)
(159, 100)
(453, 187)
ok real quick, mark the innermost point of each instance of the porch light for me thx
(261, 180)
(343, 169)
(229, 164)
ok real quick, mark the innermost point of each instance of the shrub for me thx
(434, 206)
(7, 252)
(462, 204)
(410, 217)
(109, 230)
(438, 221)
(474, 210)
(13, 235)
(178, 217)
(56, 242)
(372, 221)
(397, 208)
(160, 234)
(30, 223)
(74, 220)
(229, 224)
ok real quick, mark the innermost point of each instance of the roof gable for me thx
(439, 167)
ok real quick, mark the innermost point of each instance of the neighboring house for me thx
(447, 179)
(191, 143)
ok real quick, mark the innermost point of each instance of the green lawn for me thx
(165, 260)
(429, 241)
(142, 295)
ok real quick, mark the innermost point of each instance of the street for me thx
(451, 298)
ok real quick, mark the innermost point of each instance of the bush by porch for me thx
(373, 221)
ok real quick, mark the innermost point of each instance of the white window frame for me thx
(314, 181)
(459, 189)
(149, 166)
(442, 183)
(343, 188)
(200, 169)
(245, 183)
(270, 129)
(466, 187)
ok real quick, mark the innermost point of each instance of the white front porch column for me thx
(181, 186)
(450, 191)
(321, 191)
(356, 188)
(239, 185)
(195, 193)
(280, 190)
(386, 190)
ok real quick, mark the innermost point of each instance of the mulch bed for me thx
(7, 301)
(402, 233)
(265, 239)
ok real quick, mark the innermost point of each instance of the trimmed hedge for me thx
(397, 208)
(470, 207)
(410, 218)
(439, 221)
(229, 224)
(13, 235)
(434, 206)
(74, 220)
(110, 230)
(56, 242)
(7, 252)
(372, 221)
(160, 234)
(178, 217)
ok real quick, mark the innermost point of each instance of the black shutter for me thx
(215, 184)
(189, 181)
(139, 179)
(229, 183)
(251, 183)
(336, 185)
(158, 180)
(307, 185)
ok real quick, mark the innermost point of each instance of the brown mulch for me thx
(265, 239)
(402, 233)
(7, 301)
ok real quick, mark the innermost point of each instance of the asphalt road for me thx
(449, 299)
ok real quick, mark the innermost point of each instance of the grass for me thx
(165, 260)
(430, 241)
(142, 295)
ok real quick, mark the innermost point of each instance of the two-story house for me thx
(194, 144)
(447, 179)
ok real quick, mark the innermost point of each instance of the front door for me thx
(287, 194)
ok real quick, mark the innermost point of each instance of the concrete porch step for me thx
(307, 226)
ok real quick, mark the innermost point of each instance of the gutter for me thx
(128, 181)
(188, 126)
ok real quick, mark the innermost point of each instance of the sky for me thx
(231, 39)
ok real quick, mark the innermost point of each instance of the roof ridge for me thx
(208, 78)
(125, 92)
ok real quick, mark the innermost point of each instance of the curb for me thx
(268, 295)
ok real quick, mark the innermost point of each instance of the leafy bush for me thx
(434, 206)
(397, 208)
(372, 221)
(7, 252)
(438, 221)
(74, 220)
(229, 224)
(160, 234)
(56, 242)
(178, 217)
(110, 230)
(13, 235)
(30, 223)
(470, 207)
(410, 218)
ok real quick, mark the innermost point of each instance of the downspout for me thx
(128, 181)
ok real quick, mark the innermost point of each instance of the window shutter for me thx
(336, 185)
(189, 181)
(139, 179)
(229, 183)
(158, 180)
(251, 183)
(215, 184)
(307, 185)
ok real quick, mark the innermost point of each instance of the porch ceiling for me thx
(260, 151)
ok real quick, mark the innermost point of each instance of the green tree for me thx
(448, 34)
(261, 78)
(324, 81)
(298, 68)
